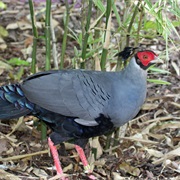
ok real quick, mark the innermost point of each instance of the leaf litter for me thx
(149, 147)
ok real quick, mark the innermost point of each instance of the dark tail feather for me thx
(9, 111)
(12, 102)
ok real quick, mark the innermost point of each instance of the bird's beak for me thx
(157, 60)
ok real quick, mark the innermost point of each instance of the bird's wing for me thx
(76, 93)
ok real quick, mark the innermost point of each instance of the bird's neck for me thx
(133, 70)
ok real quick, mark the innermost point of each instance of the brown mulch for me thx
(149, 147)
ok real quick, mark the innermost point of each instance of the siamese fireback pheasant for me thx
(79, 104)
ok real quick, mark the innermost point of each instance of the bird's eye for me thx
(145, 56)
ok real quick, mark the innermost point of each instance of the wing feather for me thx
(72, 93)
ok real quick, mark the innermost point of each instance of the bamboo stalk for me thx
(64, 43)
(85, 41)
(35, 34)
(131, 23)
(107, 35)
(54, 47)
(48, 56)
(48, 34)
(139, 26)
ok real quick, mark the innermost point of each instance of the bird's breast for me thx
(126, 102)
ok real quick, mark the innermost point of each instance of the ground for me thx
(149, 146)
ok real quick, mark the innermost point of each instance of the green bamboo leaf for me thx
(18, 62)
(150, 25)
(20, 73)
(158, 81)
(176, 23)
(116, 14)
(161, 71)
(100, 5)
(3, 32)
(2, 5)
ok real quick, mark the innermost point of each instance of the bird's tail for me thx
(13, 103)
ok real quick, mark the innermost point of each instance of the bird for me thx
(80, 104)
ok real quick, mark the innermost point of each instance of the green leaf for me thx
(20, 73)
(2, 5)
(157, 81)
(3, 32)
(161, 71)
(18, 62)
(176, 23)
(41, 37)
(76, 52)
(150, 25)
(100, 5)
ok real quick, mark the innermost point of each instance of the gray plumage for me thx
(79, 104)
(87, 94)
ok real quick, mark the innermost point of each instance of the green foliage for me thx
(150, 25)
(138, 22)
(158, 70)
(3, 32)
(158, 81)
(159, 12)
(18, 62)
(99, 5)
(18, 75)
(2, 5)
(91, 41)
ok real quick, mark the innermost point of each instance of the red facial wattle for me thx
(146, 57)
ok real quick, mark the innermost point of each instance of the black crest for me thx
(126, 53)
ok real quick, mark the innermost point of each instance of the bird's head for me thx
(144, 58)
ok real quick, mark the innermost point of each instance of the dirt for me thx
(149, 148)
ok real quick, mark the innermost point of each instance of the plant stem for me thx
(48, 34)
(118, 18)
(139, 26)
(107, 35)
(85, 41)
(54, 47)
(131, 23)
(64, 43)
(97, 35)
(35, 34)
(48, 56)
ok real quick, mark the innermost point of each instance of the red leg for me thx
(82, 156)
(55, 156)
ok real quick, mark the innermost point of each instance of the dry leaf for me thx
(23, 25)
(39, 172)
(3, 145)
(5, 65)
(176, 68)
(149, 106)
(127, 168)
(1, 70)
(169, 155)
(116, 176)
(12, 26)
(67, 168)
(153, 152)
(3, 46)
(8, 176)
